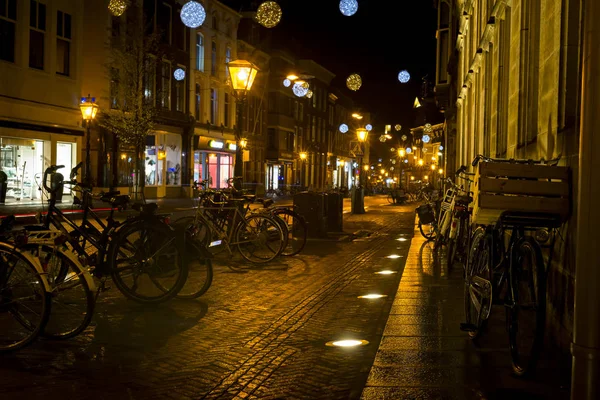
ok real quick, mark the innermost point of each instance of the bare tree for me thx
(131, 67)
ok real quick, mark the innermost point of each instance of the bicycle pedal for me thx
(467, 327)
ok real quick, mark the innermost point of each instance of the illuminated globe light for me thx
(408, 150)
(403, 76)
(404, 137)
(300, 89)
(426, 139)
(398, 127)
(268, 14)
(382, 138)
(369, 127)
(117, 7)
(193, 14)
(287, 82)
(441, 148)
(343, 128)
(354, 82)
(427, 128)
(179, 74)
(405, 161)
(348, 7)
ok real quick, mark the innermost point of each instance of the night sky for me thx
(381, 39)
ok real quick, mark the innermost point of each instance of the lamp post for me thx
(303, 156)
(88, 108)
(358, 200)
(242, 74)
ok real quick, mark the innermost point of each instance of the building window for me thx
(198, 100)
(180, 93)
(215, 24)
(227, 60)
(8, 19)
(173, 159)
(213, 106)
(37, 24)
(289, 141)
(295, 109)
(213, 67)
(165, 85)
(271, 139)
(227, 108)
(63, 43)
(179, 34)
(200, 52)
(150, 80)
(301, 112)
(114, 88)
(165, 18)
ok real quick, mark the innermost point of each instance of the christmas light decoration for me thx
(287, 82)
(117, 7)
(398, 127)
(441, 148)
(343, 128)
(179, 74)
(403, 76)
(404, 137)
(369, 127)
(427, 128)
(354, 82)
(309, 94)
(408, 150)
(300, 88)
(348, 7)
(268, 14)
(426, 139)
(193, 14)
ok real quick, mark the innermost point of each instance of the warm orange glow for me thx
(292, 77)
(366, 167)
(242, 74)
(243, 143)
(421, 162)
(426, 177)
(382, 171)
(401, 152)
(88, 108)
(362, 134)
(162, 154)
(441, 171)
(357, 116)
(412, 178)
(433, 167)
(303, 156)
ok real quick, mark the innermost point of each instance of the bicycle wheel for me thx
(390, 198)
(284, 230)
(457, 244)
(526, 317)
(24, 299)
(427, 230)
(258, 238)
(146, 262)
(478, 283)
(196, 257)
(72, 293)
(297, 231)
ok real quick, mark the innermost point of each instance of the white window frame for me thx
(200, 52)
(162, 87)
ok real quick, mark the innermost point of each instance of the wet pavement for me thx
(424, 355)
(262, 334)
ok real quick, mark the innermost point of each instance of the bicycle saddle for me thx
(148, 208)
(118, 201)
(249, 197)
(266, 202)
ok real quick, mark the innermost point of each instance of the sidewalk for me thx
(424, 355)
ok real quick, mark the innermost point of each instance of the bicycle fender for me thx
(34, 261)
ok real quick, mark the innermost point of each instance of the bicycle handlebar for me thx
(50, 170)
(74, 170)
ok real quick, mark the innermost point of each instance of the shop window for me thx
(125, 164)
(63, 43)
(173, 157)
(37, 24)
(151, 161)
(198, 166)
(8, 20)
(225, 169)
(180, 93)
(212, 164)
(200, 52)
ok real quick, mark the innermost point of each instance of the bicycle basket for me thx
(426, 214)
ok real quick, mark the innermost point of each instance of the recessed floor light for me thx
(393, 256)
(347, 343)
(372, 296)
(402, 239)
(386, 272)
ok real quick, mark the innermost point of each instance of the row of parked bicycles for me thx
(502, 259)
(51, 274)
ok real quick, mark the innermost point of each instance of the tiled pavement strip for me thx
(259, 334)
(424, 355)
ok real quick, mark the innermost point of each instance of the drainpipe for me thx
(585, 379)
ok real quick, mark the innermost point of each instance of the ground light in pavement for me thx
(386, 272)
(402, 239)
(347, 343)
(393, 256)
(372, 296)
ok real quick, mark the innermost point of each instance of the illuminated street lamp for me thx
(242, 74)
(88, 108)
(303, 155)
(357, 116)
(358, 202)
(420, 162)
(432, 167)
(243, 143)
(401, 152)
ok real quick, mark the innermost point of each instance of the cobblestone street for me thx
(258, 334)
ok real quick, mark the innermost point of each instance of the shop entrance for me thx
(23, 162)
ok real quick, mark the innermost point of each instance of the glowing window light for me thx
(287, 82)
(347, 343)
(193, 14)
(268, 14)
(372, 296)
(403, 76)
(348, 7)
(179, 74)
(343, 128)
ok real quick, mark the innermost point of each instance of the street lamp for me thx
(242, 74)
(88, 108)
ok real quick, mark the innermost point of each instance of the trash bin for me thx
(57, 185)
(335, 212)
(358, 200)
(312, 207)
(3, 186)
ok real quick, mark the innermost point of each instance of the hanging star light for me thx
(179, 74)
(193, 14)
(427, 128)
(268, 14)
(369, 127)
(348, 7)
(354, 82)
(117, 7)
(398, 127)
(287, 82)
(300, 89)
(382, 138)
(343, 128)
(403, 76)
(426, 139)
